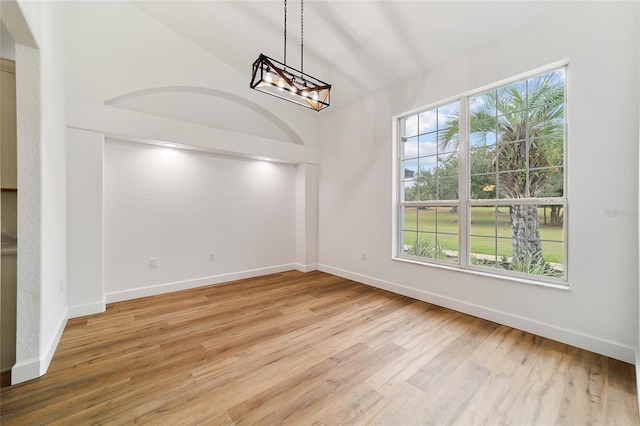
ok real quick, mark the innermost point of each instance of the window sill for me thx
(556, 286)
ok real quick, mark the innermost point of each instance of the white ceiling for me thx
(360, 47)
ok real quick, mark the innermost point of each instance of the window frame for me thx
(464, 202)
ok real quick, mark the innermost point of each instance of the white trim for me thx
(50, 349)
(306, 268)
(550, 331)
(25, 370)
(36, 367)
(638, 379)
(119, 296)
(489, 86)
(87, 309)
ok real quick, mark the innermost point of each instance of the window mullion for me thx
(463, 182)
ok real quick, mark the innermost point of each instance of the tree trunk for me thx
(555, 215)
(527, 246)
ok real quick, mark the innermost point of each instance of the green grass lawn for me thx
(490, 232)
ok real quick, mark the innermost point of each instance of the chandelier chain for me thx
(285, 32)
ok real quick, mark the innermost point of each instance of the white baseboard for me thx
(119, 296)
(87, 309)
(638, 379)
(570, 337)
(25, 370)
(33, 368)
(306, 268)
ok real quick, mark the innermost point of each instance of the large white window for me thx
(481, 181)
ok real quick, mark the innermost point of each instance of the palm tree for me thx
(521, 126)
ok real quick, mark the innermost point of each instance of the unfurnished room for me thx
(320, 212)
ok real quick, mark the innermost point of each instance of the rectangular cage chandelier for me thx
(282, 81)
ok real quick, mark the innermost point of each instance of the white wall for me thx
(178, 206)
(53, 184)
(7, 45)
(139, 81)
(85, 222)
(36, 28)
(307, 217)
(600, 311)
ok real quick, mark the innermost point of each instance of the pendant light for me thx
(282, 81)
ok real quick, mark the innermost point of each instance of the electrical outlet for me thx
(212, 257)
(153, 262)
(364, 256)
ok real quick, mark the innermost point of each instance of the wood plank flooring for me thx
(313, 348)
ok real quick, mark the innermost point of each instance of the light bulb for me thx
(280, 84)
(315, 96)
(304, 93)
(268, 78)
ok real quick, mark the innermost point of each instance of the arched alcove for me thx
(208, 107)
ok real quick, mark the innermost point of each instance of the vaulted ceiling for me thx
(360, 47)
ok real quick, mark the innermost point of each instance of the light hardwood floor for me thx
(313, 348)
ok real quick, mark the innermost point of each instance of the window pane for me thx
(553, 253)
(552, 184)
(429, 164)
(510, 156)
(410, 215)
(410, 148)
(428, 187)
(448, 116)
(426, 178)
(512, 97)
(409, 190)
(437, 236)
(447, 237)
(428, 144)
(448, 127)
(483, 105)
(410, 169)
(483, 221)
(426, 246)
(519, 238)
(410, 126)
(553, 81)
(483, 130)
(552, 150)
(547, 121)
(448, 165)
(483, 251)
(483, 187)
(535, 242)
(512, 184)
(408, 242)
(448, 188)
(428, 121)
(448, 176)
(481, 159)
(512, 127)
(427, 219)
